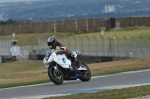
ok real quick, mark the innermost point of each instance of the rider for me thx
(54, 44)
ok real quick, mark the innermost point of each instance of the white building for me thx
(109, 8)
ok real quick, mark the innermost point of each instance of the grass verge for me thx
(135, 32)
(125, 93)
(33, 72)
(22, 84)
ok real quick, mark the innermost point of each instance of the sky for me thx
(4, 1)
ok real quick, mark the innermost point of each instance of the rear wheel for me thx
(55, 75)
(85, 75)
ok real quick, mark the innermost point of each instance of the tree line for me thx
(9, 21)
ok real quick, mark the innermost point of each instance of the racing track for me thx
(106, 82)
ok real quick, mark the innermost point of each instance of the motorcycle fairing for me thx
(63, 61)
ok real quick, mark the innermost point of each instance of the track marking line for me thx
(90, 90)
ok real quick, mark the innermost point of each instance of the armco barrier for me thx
(86, 59)
(5, 59)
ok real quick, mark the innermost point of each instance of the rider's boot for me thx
(78, 64)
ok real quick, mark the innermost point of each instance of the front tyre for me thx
(56, 76)
(85, 75)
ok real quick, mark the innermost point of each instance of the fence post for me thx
(76, 25)
(45, 41)
(118, 43)
(134, 46)
(21, 28)
(31, 28)
(75, 44)
(126, 44)
(94, 23)
(1, 32)
(39, 41)
(87, 27)
(110, 46)
(96, 45)
(103, 45)
(6, 47)
(142, 46)
(9, 47)
(81, 43)
(3, 46)
(89, 44)
(62, 23)
(68, 42)
(42, 27)
(55, 27)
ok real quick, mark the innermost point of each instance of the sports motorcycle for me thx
(61, 68)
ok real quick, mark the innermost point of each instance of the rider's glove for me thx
(60, 52)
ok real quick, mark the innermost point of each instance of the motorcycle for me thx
(61, 68)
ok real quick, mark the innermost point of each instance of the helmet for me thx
(51, 41)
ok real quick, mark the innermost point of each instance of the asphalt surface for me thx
(105, 82)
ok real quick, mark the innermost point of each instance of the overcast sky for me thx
(3, 1)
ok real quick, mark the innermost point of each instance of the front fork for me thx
(56, 69)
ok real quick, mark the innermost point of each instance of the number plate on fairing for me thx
(63, 61)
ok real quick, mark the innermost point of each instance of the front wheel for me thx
(85, 75)
(55, 75)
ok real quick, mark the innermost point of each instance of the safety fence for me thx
(103, 46)
(134, 47)
(4, 47)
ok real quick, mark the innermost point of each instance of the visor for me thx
(50, 43)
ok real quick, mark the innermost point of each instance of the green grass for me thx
(125, 93)
(135, 32)
(122, 70)
(22, 73)
(23, 83)
(31, 39)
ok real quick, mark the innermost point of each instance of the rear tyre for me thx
(86, 75)
(55, 76)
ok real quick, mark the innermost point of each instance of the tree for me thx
(9, 21)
